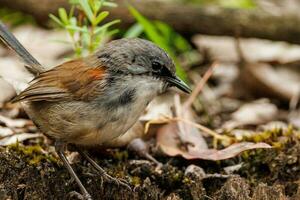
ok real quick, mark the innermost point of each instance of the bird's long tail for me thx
(31, 64)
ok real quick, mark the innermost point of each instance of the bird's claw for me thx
(80, 196)
(119, 182)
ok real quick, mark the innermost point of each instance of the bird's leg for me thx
(101, 170)
(60, 148)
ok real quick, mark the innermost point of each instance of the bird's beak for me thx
(177, 82)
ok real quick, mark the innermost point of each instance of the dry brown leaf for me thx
(43, 44)
(223, 48)
(4, 132)
(7, 91)
(187, 133)
(262, 79)
(253, 113)
(170, 144)
(14, 123)
(159, 107)
(181, 136)
(6, 141)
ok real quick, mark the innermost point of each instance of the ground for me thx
(27, 172)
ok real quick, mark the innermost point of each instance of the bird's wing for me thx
(71, 80)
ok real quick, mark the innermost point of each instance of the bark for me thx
(187, 19)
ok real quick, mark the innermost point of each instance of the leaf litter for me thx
(182, 135)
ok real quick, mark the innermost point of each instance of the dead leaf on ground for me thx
(253, 113)
(171, 145)
(7, 91)
(294, 118)
(182, 137)
(262, 79)
(43, 44)
(223, 48)
(6, 141)
(5, 131)
(15, 123)
(161, 106)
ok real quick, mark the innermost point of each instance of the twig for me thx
(200, 86)
(206, 130)
(210, 132)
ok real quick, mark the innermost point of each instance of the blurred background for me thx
(241, 57)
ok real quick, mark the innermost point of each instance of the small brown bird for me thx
(92, 100)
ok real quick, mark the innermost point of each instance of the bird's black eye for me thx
(156, 66)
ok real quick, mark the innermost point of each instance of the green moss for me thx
(186, 180)
(120, 155)
(33, 155)
(277, 137)
(136, 181)
(278, 164)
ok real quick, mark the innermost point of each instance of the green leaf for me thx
(87, 9)
(174, 39)
(63, 16)
(105, 26)
(164, 29)
(61, 41)
(155, 36)
(86, 38)
(97, 6)
(245, 4)
(181, 44)
(110, 4)
(149, 28)
(71, 13)
(56, 20)
(101, 16)
(73, 23)
(134, 31)
(112, 32)
(77, 28)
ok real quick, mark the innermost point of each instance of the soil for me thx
(27, 172)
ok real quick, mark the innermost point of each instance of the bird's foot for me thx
(76, 195)
(119, 182)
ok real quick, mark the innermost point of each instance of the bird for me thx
(94, 99)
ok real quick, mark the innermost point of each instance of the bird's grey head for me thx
(140, 58)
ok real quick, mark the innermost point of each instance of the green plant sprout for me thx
(161, 34)
(82, 24)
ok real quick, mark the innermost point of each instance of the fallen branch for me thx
(187, 19)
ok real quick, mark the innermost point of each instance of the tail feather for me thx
(32, 65)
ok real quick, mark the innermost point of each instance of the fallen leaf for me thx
(16, 76)
(4, 132)
(223, 48)
(233, 168)
(6, 141)
(169, 142)
(14, 123)
(187, 133)
(265, 80)
(254, 113)
(7, 91)
(159, 107)
(43, 44)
